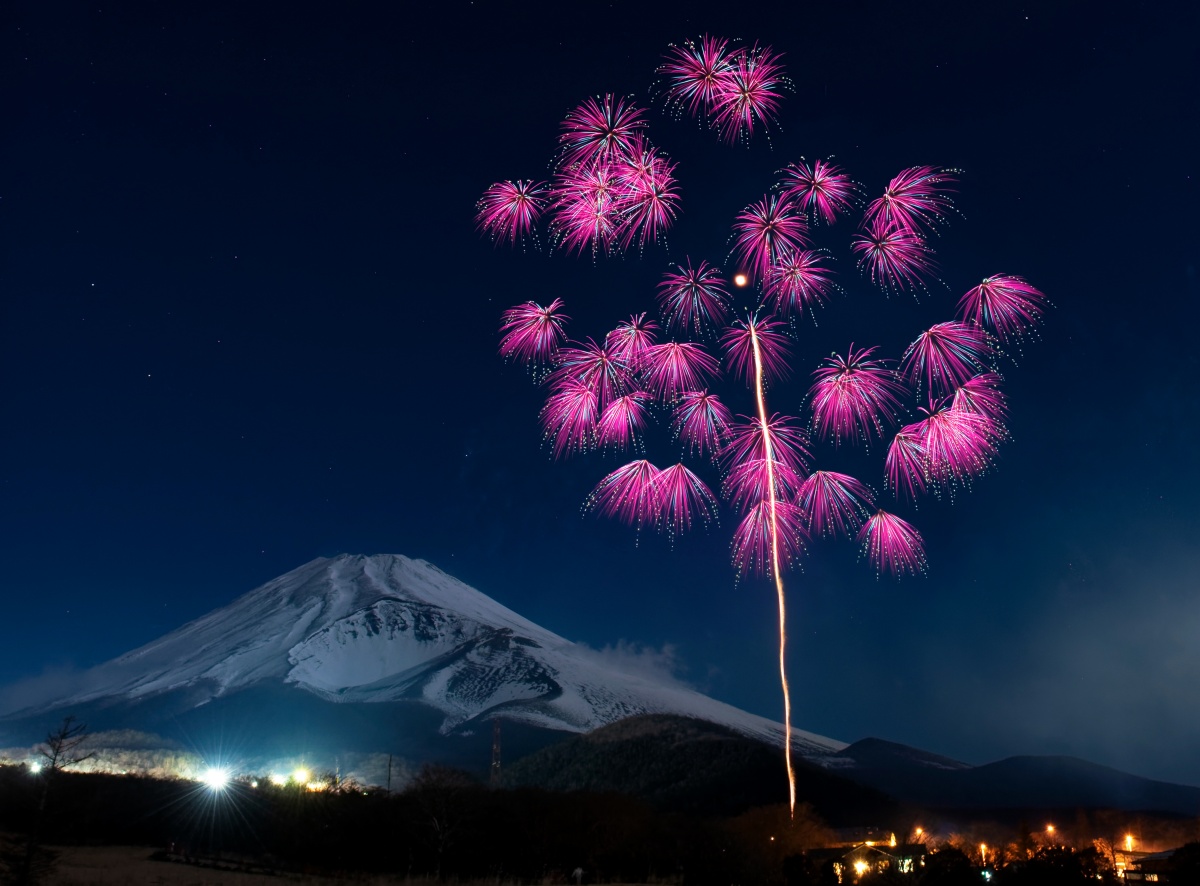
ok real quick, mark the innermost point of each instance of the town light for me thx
(1129, 842)
(1049, 829)
(983, 852)
(860, 867)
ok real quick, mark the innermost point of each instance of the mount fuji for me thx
(372, 654)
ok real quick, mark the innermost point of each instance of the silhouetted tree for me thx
(26, 862)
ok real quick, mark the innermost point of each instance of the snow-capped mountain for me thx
(356, 631)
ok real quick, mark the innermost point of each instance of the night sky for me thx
(246, 321)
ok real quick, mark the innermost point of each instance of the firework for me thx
(672, 368)
(905, 464)
(680, 496)
(599, 129)
(982, 395)
(957, 444)
(759, 540)
(822, 189)
(693, 299)
(765, 230)
(798, 282)
(623, 420)
(775, 347)
(612, 188)
(532, 334)
(835, 504)
(751, 438)
(916, 197)
(628, 342)
(1007, 306)
(569, 418)
(892, 545)
(748, 93)
(508, 210)
(647, 200)
(945, 356)
(702, 422)
(628, 494)
(854, 396)
(694, 73)
(748, 483)
(896, 258)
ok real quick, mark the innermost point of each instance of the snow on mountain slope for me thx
(363, 630)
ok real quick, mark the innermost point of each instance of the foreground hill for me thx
(688, 765)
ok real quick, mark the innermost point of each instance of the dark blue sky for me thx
(245, 321)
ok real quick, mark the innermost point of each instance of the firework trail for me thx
(612, 189)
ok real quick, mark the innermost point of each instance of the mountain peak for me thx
(387, 629)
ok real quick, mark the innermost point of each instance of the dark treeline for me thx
(445, 824)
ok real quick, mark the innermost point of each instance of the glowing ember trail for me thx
(769, 450)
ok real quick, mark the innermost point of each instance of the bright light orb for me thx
(860, 867)
(740, 280)
(301, 776)
(35, 767)
(278, 779)
(216, 779)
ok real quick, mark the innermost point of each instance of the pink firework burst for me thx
(569, 418)
(798, 282)
(945, 356)
(628, 342)
(648, 199)
(584, 202)
(671, 368)
(749, 93)
(1006, 305)
(892, 545)
(681, 496)
(774, 349)
(822, 189)
(532, 334)
(855, 396)
(693, 72)
(597, 368)
(628, 494)
(748, 483)
(623, 420)
(905, 464)
(781, 438)
(510, 210)
(754, 537)
(896, 258)
(765, 230)
(958, 445)
(599, 129)
(836, 504)
(917, 196)
(701, 421)
(693, 300)
(982, 395)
